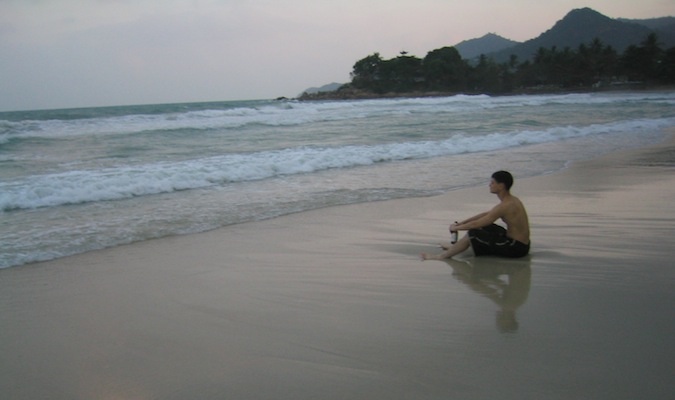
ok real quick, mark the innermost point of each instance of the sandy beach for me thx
(335, 304)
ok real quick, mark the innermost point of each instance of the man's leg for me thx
(463, 244)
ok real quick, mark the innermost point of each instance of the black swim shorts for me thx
(492, 240)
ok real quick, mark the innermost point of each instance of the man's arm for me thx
(480, 220)
(475, 217)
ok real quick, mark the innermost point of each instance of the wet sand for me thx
(334, 303)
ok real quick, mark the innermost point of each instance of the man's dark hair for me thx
(503, 177)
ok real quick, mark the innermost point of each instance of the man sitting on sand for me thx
(484, 236)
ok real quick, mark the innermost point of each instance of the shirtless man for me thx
(484, 236)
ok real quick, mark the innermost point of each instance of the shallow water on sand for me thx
(77, 180)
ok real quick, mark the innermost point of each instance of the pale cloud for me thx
(64, 53)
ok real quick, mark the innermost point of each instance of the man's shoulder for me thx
(510, 202)
(512, 198)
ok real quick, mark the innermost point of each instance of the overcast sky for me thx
(78, 53)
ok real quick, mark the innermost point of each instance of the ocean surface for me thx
(77, 180)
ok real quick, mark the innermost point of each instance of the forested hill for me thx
(664, 28)
(583, 26)
(583, 50)
(490, 43)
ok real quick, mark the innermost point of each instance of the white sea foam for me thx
(215, 164)
(74, 187)
(296, 113)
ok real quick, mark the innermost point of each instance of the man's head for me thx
(503, 177)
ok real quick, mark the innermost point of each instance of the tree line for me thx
(444, 70)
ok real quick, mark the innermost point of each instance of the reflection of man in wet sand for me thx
(486, 238)
(483, 277)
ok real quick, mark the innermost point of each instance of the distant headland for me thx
(584, 51)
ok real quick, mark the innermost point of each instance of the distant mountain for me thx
(325, 88)
(577, 27)
(652, 23)
(487, 44)
(664, 28)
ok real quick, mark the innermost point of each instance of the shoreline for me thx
(357, 94)
(540, 173)
(334, 303)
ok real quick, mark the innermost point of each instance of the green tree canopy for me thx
(444, 69)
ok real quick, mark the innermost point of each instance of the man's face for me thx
(494, 186)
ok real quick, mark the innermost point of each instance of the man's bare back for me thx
(515, 218)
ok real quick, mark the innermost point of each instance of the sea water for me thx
(77, 180)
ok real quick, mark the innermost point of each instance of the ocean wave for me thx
(124, 182)
(293, 113)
